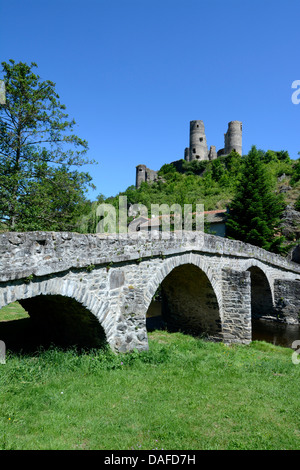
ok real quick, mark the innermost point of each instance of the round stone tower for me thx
(198, 144)
(233, 137)
(140, 175)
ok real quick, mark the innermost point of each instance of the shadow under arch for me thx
(261, 294)
(54, 320)
(188, 303)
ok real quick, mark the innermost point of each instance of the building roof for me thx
(216, 216)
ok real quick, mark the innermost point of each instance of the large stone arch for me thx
(65, 297)
(192, 292)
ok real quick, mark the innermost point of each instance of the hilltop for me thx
(212, 183)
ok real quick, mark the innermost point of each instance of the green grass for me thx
(184, 393)
(13, 311)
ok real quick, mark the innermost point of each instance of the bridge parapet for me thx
(42, 253)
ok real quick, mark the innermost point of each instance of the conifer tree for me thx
(256, 209)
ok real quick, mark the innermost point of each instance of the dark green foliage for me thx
(194, 167)
(39, 189)
(297, 204)
(167, 168)
(218, 170)
(256, 210)
(296, 172)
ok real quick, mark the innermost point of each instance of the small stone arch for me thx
(54, 303)
(267, 272)
(191, 292)
(262, 293)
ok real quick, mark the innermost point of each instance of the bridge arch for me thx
(262, 292)
(60, 304)
(266, 272)
(191, 296)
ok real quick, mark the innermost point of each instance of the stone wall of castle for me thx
(144, 174)
(198, 148)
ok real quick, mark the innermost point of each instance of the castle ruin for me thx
(144, 174)
(198, 149)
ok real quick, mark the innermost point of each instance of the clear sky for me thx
(134, 73)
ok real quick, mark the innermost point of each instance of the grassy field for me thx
(184, 393)
(12, 311)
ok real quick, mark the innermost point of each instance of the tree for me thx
(256, 209)
(39, 188)
(296, 172)
(218, 170)
(55, 202)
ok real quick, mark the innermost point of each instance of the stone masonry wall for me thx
(287, 300)
(236, 324)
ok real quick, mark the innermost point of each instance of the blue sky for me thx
(134, 73)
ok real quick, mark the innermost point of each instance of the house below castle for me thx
(198, 149)
(215, 222)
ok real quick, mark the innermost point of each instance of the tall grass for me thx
(184, 393)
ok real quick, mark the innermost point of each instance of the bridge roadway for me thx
(104, 284)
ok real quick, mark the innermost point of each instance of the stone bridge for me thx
(104, 284)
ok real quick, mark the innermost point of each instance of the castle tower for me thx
(233, 138)
(140, 175)
(198, 145)
(144, 174)
(212, 154)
